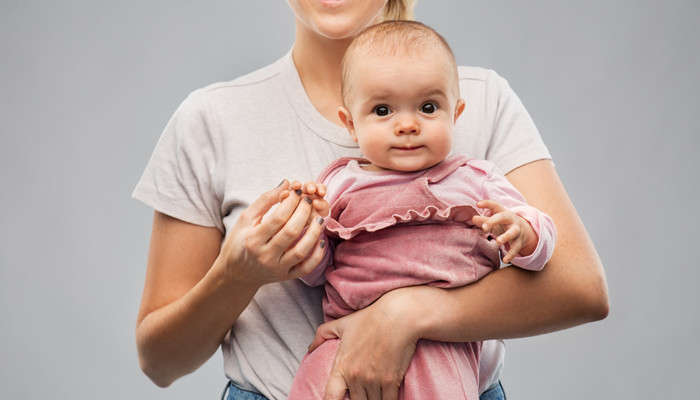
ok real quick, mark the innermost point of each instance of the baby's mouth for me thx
(407, 148)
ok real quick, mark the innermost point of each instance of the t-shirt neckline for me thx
(305, 110)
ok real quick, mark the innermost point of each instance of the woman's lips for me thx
(331, 2)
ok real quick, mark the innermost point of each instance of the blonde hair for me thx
(395, 38)
(399, 9)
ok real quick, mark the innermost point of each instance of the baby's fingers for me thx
(512, 238)
(310, 188)
(321, 207)
(294, 186)
(512, 252)
(321, 189)
(510, 235)
(313, 188)
(495, 220)
(495, 207)
(479, 220)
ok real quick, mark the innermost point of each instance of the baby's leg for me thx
(312, 375)
(441, 370)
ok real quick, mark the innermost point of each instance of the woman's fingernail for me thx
(322, 244)
(298, 192)
(308, 200)
(320, 220)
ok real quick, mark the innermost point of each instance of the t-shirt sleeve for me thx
(515, 140)
(179, 177)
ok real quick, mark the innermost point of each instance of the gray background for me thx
(87, 86)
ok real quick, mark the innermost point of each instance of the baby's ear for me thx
(459, 108)
(346, 118)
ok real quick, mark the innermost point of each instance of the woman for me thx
(215, 265)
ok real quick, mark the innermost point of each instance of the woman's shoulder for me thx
(259, 83)
(486, 78)
(251, 79)
(243, 94)
(474, 73)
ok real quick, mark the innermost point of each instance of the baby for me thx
(410, 213)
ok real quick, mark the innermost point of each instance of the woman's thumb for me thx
(326, 331)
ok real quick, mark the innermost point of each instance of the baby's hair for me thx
(395, 38)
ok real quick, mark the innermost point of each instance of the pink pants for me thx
(437, 371)
(366, 267)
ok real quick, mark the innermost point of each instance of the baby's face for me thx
(402, 111)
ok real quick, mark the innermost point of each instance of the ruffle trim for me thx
(458, 213)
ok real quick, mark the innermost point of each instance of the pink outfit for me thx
(394, 229)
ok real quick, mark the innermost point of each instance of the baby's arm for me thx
(509, 228)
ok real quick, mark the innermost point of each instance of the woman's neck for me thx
(317, 60)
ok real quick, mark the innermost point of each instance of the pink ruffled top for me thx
(391, 229)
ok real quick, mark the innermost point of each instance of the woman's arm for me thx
(196, 288)
(508, 303)
(569, 291)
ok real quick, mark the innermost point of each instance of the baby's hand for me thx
(509, 228)
(314, 192)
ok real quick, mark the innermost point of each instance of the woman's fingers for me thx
(255, 212)
(372, 356)
(390, 392)
(272, 244)
(358, 391)
(325, 331)
(289, 232)
(336, 387)
(278, 218)
(307, 264)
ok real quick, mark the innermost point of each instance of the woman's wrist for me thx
(413, 310)
(225, 276)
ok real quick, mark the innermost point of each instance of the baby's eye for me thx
(428, 108)
(381, 111)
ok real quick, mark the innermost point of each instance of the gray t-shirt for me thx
(229, 142)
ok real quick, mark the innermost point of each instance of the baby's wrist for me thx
(529, 248)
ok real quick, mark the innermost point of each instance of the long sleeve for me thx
(496, 187)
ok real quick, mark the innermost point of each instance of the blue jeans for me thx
(495, 392)
(235, 392)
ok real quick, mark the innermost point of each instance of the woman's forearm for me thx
(178, 338)
(569, 291)
(196, 287)
(514, 303)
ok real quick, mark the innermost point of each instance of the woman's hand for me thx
(280, 245)
(376, 346)
(196, 289)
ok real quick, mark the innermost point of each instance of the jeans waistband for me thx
(233, 391)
